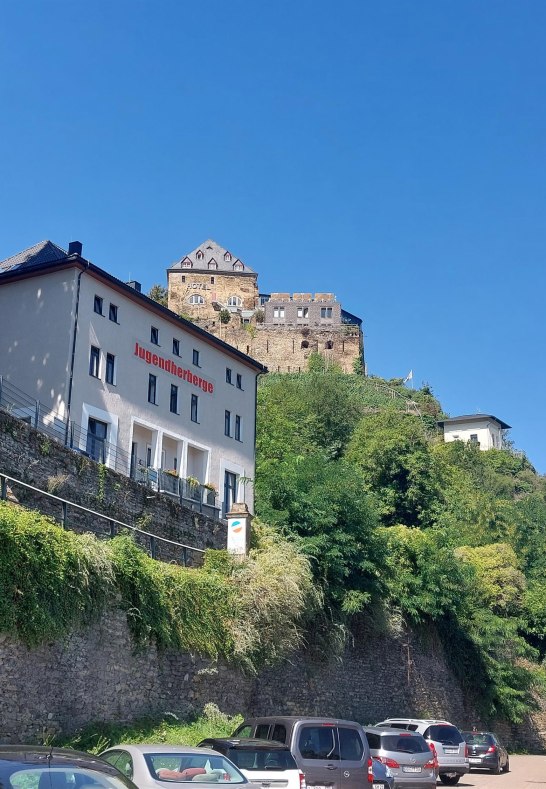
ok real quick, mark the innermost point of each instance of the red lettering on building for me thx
(166, 364)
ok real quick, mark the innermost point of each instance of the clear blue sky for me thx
(391, 152)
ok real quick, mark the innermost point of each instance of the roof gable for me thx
(210, 250)
(40, 254)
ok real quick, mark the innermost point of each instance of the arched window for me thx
(305, 343)
(234, 301)
(227, 257)
(199, 255)
(329, 345)
(196, 299)
(213, 263)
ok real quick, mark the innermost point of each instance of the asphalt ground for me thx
(526, 772)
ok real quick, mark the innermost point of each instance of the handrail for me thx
(65, 502)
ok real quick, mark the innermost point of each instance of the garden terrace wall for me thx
(34, 458)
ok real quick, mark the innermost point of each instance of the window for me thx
(94, 362)
(183, 278)
(98, 305)
(239, 381)
(199, 255)
(278, 312)
(96, 437)
(154, 335)
(196, 299)
(474, 437)
(303, 312)
(213, 264)
(234, 301)
(188, 263)
(227, 257)
(329, 345)
(212, 280)
(279, 733)
(318, 742)
(244, 731)
(174, 399)
(238, 428)
(113, 313)
(230, 495)
(196, 358)
(305, 343)
(194, 407)
(152, 389)
(325, 312)
(176, 347)
(238, 266)
(227, 423)
(110, 369)
(350, 744)
(228, 376)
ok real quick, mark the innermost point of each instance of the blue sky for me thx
(391, 152)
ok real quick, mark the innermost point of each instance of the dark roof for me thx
(473, 418)
(242, 743)
(26, 265)
(210, 256)
(39, 254)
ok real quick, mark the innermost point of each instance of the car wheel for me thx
(496, 770)
(506, 768)
(449, 780)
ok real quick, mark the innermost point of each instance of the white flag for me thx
(409, 376)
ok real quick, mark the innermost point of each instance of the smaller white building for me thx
(483, 429)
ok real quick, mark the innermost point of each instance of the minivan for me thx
(448, 742)
(332, 753)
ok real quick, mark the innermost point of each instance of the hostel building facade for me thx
(143, 384)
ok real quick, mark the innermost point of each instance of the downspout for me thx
(73, 357)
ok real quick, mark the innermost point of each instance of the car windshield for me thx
(194, 767)
(447, 735)
(404, 743)
(474, 738)
(262, 759)
(20, 776)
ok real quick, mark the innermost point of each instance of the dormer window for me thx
(186, 263)
(238, 266)
(213, 263)
(227, 257)
(199, 255)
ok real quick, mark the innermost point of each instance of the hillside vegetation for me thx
(393, 518)
(369, 515)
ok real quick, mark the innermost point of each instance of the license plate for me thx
(411, 769)
(474, 761)
(378, 786)
(451, 750)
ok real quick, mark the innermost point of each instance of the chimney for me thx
(136, 285)
(75, 248)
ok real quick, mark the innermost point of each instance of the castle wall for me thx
(213, 287)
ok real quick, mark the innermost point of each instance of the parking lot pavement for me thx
(526, 772)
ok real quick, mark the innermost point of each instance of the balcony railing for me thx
(196, 496)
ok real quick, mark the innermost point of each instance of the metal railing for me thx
(178, 552)
(64, 431)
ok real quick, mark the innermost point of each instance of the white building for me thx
(484, 429)
(141, 388)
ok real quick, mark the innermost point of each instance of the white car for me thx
(264, 762)
(153, 766)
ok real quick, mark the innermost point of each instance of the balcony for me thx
(190, 492)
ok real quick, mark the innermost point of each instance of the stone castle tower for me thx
(220, 292)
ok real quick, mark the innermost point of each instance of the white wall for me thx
(488, 432)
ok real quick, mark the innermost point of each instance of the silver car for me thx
(448, 742)
(406, 754)
(153, 766)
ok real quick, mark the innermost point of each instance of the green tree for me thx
(225, 316)
(160, 294)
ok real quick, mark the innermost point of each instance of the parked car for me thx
(24, 766)
(450, 745)
(408, 756)
(150, 766)
(486, 751)
(332, 753)
(264, 762)
(382, 777)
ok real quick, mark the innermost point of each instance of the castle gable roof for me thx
(209, 251)
(38, 255)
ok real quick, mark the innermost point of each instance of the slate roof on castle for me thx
(211, 256)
